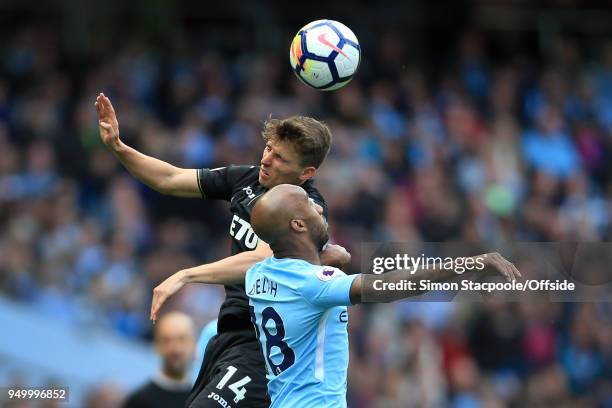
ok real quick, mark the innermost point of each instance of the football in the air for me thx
(325, 54)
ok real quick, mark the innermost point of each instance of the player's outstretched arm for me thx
(230, 270)
(157, 174)
(492, 261)
(227, 271)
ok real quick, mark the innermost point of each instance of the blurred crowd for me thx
(489, 150)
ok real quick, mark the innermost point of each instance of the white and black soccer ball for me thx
(325, 55)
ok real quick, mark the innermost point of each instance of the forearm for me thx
(412, 279)
(376, 288)
(153, 172)
(227, 271)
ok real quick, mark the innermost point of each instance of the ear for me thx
(308, 173)
(298, 225)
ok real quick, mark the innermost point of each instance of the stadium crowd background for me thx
(463, 133)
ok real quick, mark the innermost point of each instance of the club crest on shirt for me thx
(249, 192)
(325, 274)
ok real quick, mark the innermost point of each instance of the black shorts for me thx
(233, 374)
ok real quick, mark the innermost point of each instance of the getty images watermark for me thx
(444, 272)
(414, 263)
(459, 266)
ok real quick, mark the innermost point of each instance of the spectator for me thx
(174, 341)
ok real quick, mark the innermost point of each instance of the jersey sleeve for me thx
(328, 287)
(218, 184)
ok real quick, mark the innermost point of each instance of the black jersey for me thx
(240, 186)
(153, 395)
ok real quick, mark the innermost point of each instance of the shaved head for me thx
(271, 217)
(286, 214)
(173, 322)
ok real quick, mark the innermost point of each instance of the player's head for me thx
(285, 217)
(174, 339)
(295, 148)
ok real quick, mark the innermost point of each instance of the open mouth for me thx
(264, 173)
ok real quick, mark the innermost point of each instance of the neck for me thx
(297, 250)
(178, 377)
(169, 381)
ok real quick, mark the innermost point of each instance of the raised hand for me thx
(500, 264)
(107, 120)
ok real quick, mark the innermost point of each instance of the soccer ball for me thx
(325, 55)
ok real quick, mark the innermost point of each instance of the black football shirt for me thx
(240, 186)
(152, 395)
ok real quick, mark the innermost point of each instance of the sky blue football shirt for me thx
(299, 312)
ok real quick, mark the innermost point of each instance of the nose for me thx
(265, 159)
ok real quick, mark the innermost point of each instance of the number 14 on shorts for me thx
(236, 387)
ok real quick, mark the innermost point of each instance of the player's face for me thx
(280, 164)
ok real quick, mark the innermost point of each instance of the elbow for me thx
(163, 187)
(157, 185)
(168, 183)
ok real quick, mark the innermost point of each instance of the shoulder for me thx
(242, 175)
(326, 287)
(326, 273)
(254, 269)
(232, 173)
(245, 181)
(222, 182)
(281, 265)
(283, 270)
(141, 395)
(307, 274)
(260, 268)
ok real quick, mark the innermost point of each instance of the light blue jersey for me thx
(299, 312)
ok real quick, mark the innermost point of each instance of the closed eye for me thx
(276, 155)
